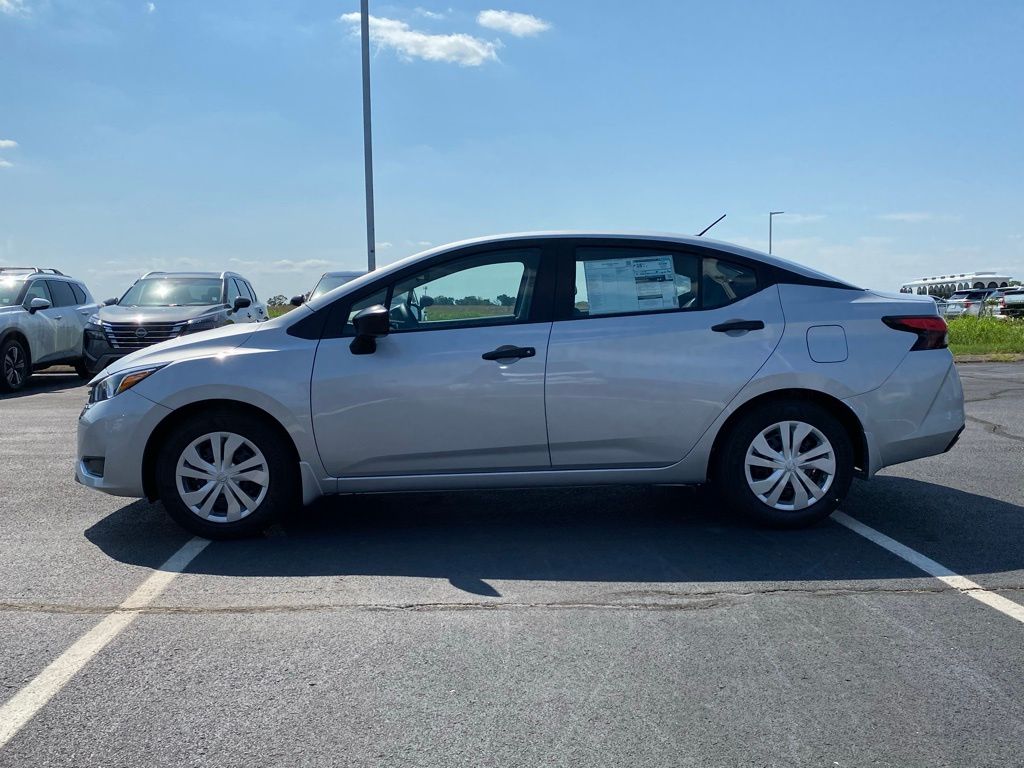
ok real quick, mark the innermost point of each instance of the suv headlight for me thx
(205, 323)
(94, 328)
(116, 383)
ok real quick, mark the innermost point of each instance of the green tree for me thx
(505, 300)
(277, 301)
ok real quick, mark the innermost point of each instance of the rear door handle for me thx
(738, 325)
(508, 352)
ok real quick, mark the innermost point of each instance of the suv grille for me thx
(132, 336)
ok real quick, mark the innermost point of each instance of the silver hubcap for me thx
(222, 477)
(790, 465)
(14, 366)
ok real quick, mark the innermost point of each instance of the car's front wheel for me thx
(786, 465)
(226, 476)
(15, 365)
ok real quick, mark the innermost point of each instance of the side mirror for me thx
(36, 304)
(241, 302)
(426, 301)
(371, 324)
(297, 301)
(110, 302)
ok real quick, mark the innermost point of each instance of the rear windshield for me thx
(173, 292)
(968, 295)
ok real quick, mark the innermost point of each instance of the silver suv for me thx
(42, 314)
(164, 305)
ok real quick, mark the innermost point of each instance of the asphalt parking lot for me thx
(618, 626)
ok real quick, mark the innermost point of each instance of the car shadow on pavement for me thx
(45, 382)
(620, 534)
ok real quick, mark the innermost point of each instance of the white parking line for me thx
(932, 568)
(16, 713)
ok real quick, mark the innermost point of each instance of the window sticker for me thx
(631, 285)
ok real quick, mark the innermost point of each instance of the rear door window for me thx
(616, 281)
(724, 282)
(62, 294)
(79, 293)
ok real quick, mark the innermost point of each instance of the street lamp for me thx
(771, 215)
(364, 29)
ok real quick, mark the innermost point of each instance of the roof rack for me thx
(153, 272)
(32, 270)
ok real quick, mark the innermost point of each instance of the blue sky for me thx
(179, 134)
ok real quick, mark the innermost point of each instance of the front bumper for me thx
(99, 354)
(116, 431)
(917, 412)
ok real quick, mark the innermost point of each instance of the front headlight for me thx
(116, 383)
(94, 328)
(205, 323)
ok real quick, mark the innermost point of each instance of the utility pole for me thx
(371, 244)
(771, 215)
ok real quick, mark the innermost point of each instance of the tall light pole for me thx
(371, 245)
(771, 215)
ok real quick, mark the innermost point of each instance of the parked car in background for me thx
(161, 306)
(969, 303)
(562, 359)
(42, 315)
(328, 282)
(1011, 304)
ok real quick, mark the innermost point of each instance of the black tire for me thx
(730, 473)
(82, 369)
(282, 493)
(15, 365)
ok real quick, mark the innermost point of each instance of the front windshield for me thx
(9, 291)
(329, 283)
(173, 292)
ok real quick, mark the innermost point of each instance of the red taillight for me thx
(932, 332)
(967, 305)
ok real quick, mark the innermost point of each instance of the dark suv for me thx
(164, 305)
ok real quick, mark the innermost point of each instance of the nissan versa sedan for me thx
(537, 359)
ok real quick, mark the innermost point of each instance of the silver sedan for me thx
(536, 359)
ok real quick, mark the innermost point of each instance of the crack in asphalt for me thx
(996, 429)
(685, 601)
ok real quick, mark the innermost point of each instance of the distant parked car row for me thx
(48, 318)
(995, 302)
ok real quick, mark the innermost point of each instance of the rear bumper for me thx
(917, 412)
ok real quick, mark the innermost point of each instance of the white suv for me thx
(42, 320)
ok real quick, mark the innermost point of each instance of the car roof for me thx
(216, 275)
(344, 273)
(567, 234)
(24, 273)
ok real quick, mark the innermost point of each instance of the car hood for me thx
(11, 309)
(202, 344)
(119, 314)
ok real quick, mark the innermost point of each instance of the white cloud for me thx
(384, 246)
(5, 163)
(428, 14)
(150, 7)
(907, 218)
(516, 24)
(801, 218)
(8, 144)
(14, 7)
(461, 49)
(281, 265)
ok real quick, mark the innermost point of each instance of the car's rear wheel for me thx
(15, 367)
(786, 465)
(226, 476)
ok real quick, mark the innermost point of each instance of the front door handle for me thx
(508, 352)
(738, 325)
